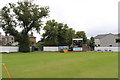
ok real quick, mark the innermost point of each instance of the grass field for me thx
(61, 65)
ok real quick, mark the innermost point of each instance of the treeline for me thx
(29, 17)
(59, 34)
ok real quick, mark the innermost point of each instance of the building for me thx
(32, 39)
(9, 40)
(107, 42)
(6, 40)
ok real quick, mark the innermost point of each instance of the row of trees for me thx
(57, 33)
(25, 15)
(60, 34)
(28, 16)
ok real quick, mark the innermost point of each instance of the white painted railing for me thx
(50, 48)
(8, 49)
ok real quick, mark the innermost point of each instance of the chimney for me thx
(5, 34)
(31, 33)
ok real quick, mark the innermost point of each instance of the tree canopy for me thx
(91, 42)
(25, 15)
(57, 33)
(81, 34)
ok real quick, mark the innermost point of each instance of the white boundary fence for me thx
(8, 49)
(50, 48)
(56, 48)
(111, 49)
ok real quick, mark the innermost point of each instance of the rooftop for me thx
(103, 35)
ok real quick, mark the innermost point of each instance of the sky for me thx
(92, 16)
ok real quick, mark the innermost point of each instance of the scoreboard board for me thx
(77, 44)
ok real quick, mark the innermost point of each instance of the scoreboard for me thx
(77, 44)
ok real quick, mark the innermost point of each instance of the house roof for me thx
(117, 35)
(100, 36)
(103, 35)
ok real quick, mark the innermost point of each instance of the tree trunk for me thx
(24, 43)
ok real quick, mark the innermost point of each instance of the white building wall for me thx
(97, 42)
(112, 49)
(109, 40)
(50, 48)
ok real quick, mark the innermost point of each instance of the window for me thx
(110, 45)
(77, 43)
(12, 38)
(117, 40)
(105, 50)
(99, 45)
(98, 50)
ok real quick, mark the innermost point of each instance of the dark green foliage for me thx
(70, 35)
(62, 34)
(57, 34)
(1, 42)
(91, 43)
(25, 15)
(39, 45)
(81, 34)
(51, 33)
(24, 43)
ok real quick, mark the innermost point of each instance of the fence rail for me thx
(50, 48)
(8, 49)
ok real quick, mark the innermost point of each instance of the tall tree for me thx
(70, 35)
(81, 34)
(91, 43)
(57, 34)
(25, 15)
(62, 34)
(50, 35)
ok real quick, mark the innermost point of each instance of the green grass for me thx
(61, 65)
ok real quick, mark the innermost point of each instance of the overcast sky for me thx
(92, 16)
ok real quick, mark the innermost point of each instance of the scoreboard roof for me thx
(77, 39)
